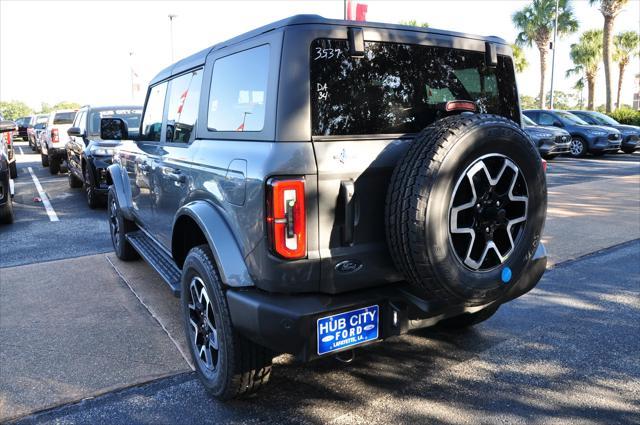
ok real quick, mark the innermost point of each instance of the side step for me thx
(157, 258)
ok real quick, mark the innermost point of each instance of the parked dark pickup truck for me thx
(317, 185)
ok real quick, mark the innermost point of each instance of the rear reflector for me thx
(286, 217)
(544, 165)
(460, 105)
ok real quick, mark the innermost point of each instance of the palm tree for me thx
(519, 59)
(579, 87)
(586, 54)
(535, 23)
(609, 9)
(626, 46)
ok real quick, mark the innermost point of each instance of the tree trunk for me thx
(542, 48)
(591, 88)
(607, 47)
(621, 66)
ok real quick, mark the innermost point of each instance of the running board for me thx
(157, 258)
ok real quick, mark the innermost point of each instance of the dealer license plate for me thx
(347, 329)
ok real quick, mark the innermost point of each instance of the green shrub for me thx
(626, 116)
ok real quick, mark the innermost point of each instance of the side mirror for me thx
(75, 131)
(6, 126)
(113, 129)
(557, 123)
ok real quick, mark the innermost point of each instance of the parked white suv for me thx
(55, 138)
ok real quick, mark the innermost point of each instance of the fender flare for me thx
(120, 183)
(228, 256)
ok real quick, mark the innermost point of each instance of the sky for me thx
(83, 51)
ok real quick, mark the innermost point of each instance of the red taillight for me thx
(460, 105)
(54, 136)
(286, 217)
(544, 165)
(9, 138)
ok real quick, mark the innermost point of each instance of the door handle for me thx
(347, 190)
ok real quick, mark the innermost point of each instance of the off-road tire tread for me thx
(251, 362)
(127, 252)
(405, 205)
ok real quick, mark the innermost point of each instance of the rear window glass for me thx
(401, 88)
(64, 118)
(130, 116)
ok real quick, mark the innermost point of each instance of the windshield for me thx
(571, 118)
(130, 116)
(401, 88)
(527, 121)
(42, 119)
(603, 119)
(64, 118)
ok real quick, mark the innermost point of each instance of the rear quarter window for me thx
(401, 88)
(239, 91)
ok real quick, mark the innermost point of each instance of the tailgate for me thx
(352, 185)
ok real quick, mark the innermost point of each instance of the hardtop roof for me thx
(199, 58)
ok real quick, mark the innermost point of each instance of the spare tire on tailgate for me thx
(466, 207)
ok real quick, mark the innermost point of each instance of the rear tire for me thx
(228, 364)
(628, 150)
(13, 170)
(74, 182)
(6, 212)
(54, 165)
(456, 234)
(92, 197)
(549, 157)
(119, 226)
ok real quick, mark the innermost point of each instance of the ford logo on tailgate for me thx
(348, 266)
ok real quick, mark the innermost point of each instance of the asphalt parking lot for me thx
(86, 338)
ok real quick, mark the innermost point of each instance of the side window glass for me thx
(546, 119)
(239, 91)
(184, 98)
(152, 121)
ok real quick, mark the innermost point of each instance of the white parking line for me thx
(43, 196)
(20, 147)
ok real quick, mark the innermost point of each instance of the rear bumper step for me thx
(157, 258)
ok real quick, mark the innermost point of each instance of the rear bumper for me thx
(287, 323)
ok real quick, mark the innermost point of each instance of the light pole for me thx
(171, 16)
(553, 55)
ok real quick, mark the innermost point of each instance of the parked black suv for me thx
(88, 156)
(316, 185)
(585, 138)
(630, 133)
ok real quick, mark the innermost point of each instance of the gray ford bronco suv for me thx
(317, 185)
